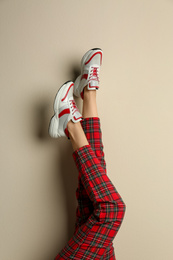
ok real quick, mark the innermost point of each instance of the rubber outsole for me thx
(94, 49)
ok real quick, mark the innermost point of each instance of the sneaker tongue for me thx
(71, 98)
(76, 117)
(94, 83)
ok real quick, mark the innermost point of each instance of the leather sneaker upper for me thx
(90, 68)
(65, 110)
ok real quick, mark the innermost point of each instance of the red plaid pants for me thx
(100, 208)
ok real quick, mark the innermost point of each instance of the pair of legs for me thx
(101, 209)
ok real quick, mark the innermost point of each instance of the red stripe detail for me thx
(93, 56)
(97, 87)
(84, 76)
(67, 133)
(65, 111)
(77, 118)
(67, 92)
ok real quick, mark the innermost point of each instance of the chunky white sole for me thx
(54, 122)
(53, 127)
(76, 86)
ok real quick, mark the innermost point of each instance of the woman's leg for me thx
(91, 124)
(85, 87)
(93, 238)
(92, 130)
(85, 206)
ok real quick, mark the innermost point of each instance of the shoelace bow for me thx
(94, 74)
(73, 106)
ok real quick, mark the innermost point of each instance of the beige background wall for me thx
(41, 45)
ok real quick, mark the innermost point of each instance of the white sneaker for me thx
(65, 110)
(90, 67)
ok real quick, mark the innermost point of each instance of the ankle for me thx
(76, 134)
(89, 93)
(71, 126)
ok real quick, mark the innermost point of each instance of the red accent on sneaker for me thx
(84, 76)
(95, 72)
(65, 111)
(67, 92)
(93, 56)
(67, 133)
(77, 118)
(97, 87)
(82, 94)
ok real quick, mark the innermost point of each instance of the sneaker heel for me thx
(53, 127)
(76, 84)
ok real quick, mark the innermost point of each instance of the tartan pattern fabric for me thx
(92, 130)
(101, 204)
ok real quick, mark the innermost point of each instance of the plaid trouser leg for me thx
(93, 237)
(92, 129)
